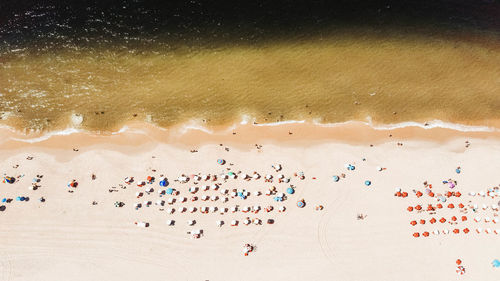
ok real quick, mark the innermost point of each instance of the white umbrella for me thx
(225, 177)
(170, 210)
(487, 219)
(268, 192)
(277, 167)
(224, 191)
(495, 220)
(219, 223)
(481, 193)
(205, 177)
(193, 189)
(246, 222)
(160, 202)
(191, 222)
(137, 205)
(170, 222)
(197, 178)
(256, 193)
(436, 232)
(182, 209)
(192, 209)
(234, 209)
(379, 168)
(171, 200)
(494, 207)
(234, 176)
(256, 221)
(234, 222)
(256, 208)
(214, 197)
(268, 177)
(397, 189)
(281, 176)
(472, 193)
(204, 197)
(214, 187)
(204, 209)
(138, 194)
(205, 188)
(256, 176)
(223, 210)
(281, 208)
(485, 206)
(225, 199)
(477, 219)
(244, 176)
(234, 193)
(245, 209)
(479, 230)
(182, 199)
(213, 209)
(446, 231)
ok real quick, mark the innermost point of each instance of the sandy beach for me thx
(67, 237)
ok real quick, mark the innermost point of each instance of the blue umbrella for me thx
(301, 204)
(18, 198)
(221, 161)
(496, 263)
(368, 183)
(290, 190)
(23, 198)
(4, 200)
(457, 170)
(351, 167)
(336, 178)
(10, 179)
(163, 183)
(278, 199)
(170, 191)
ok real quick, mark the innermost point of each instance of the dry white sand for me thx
(66, 238)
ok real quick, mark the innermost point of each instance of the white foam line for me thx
(47, 136)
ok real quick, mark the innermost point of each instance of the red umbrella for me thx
(461, 205)
(458, 194)
(439, 206)
(456, 230)
(422, 221)
(442, 220)
(405, 194)
(431, 194)
(426, 234)
(459, 262)
(466, 230)
(464, 218)
(413, 223)
(410, 208)
(416, 234)
(419, 194)
(454, 218)
(399, 194)
(451, 206)
(418, 207)
(448, 194)
(433, 220)
(430, 208)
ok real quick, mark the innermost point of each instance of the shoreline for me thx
(246, 135)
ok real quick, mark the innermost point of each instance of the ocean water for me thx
(98, 67)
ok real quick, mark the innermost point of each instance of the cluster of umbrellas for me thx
(9, 180)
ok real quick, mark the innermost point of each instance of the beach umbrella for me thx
(221, 161)
(368, 183)
(246, 222)
(204, 198)
(245, 209)
(191, 222)
(416, 234)
(422, 221)
(193, 189)
(256, 176)
(256, 193)
(495, 263)
(336, 178)
(2, 208)
(234, 209)
(418, 207)
(268, 177)
(425, 234)
(169, 191)
(214, 197)
(281, 209)
(192, 209)
(18, 198)
(170, 222)
(436, 232)
(219, 223)
(256, 221)
(290, 190)
(163, 183)
(410, 208)
(170, 210)
(446, 231)
(442, 220)
(460, 270)
(301, 203)
(419, 194)
(256, 208)
(413, 223)
(4, 200)
(234, 223)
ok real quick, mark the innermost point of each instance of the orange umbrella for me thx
(413, 223)
(405, 194)
(466, 230)
(422, 221)
(442, 220)
(430, 208)
(461, 205)
(454, 218)
(419, 194)
(410, 208)
(418, 207)
(464, 218)
(399, 194)
(433, 220)
(448, 194)
(416, 234)
(451, 206)
(456, 230)
(458, 194)
(426, 234)
(459, 262)
(431, 194)
(439, 206)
